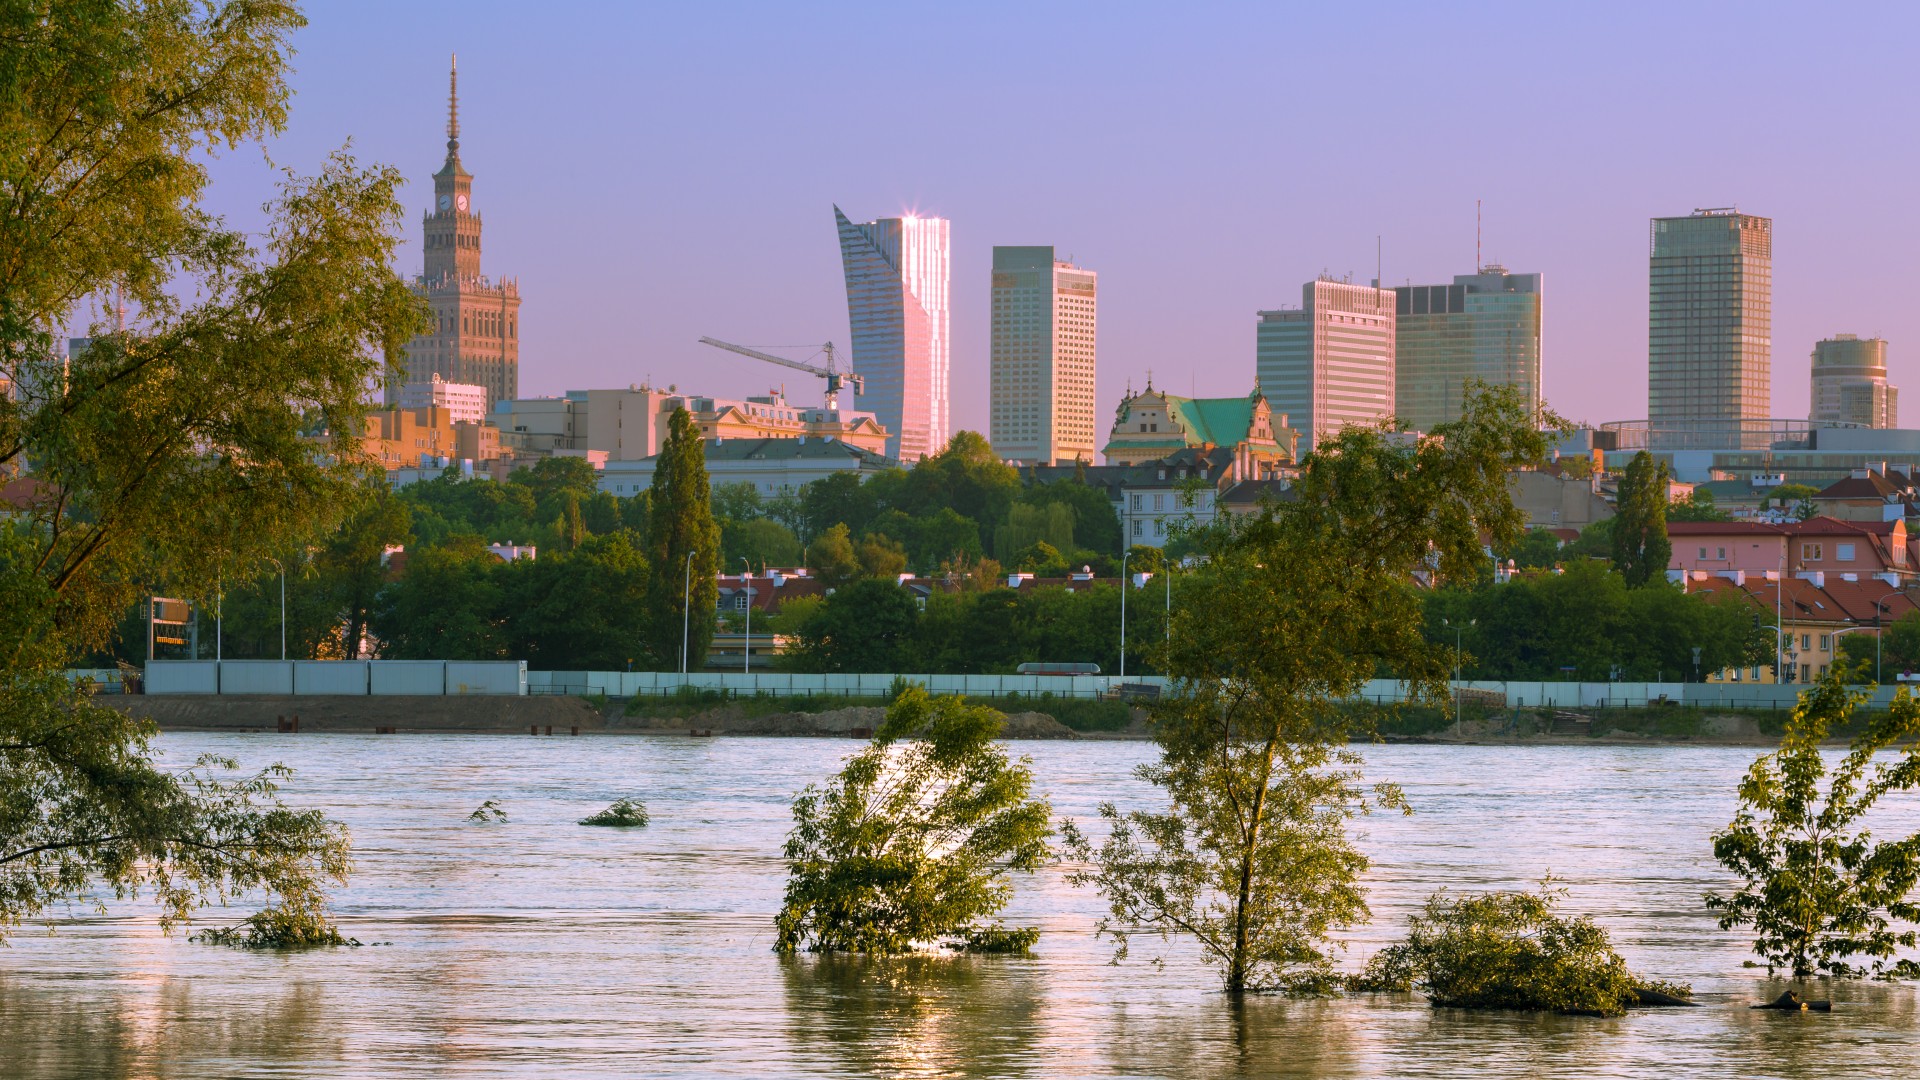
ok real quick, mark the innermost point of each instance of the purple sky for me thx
(652, 173)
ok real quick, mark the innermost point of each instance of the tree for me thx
(1538, 549)
(447, 606)
(1641, 549)
(683, 547)
(763, 542)
(881, 557)
(219, 430)
(1795, 499)
(915, 838)
(581, 611)
(1697, 506)
(831, 557)
(1096, 526)
(1898, 650)
(738, 501)
(1050, 523)
(1817, 890)
(1294, 609)
(862, 627)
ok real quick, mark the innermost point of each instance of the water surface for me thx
(538, 948)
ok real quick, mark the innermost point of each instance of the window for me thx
(1136, 502)
(1756, 671)
(1722, 553)
(1843, 552)
(1703, 553)
(1806, 642)
(1159, 527)
(1137, 525)
(1159, 501)
(1811, 552)
(740, 602)
(1806, 672)
(1826, 642)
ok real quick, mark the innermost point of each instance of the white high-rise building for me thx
(1329, 362)
(1043, 358)
(466, 403)
(1710, 319)
(1849, 383)
(897, 305)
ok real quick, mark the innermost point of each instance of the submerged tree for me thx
(915, 838)
(1291, 613)
(1817, 888)
(1509, 950)
(218, 430)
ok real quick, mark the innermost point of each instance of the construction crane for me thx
(835, 378)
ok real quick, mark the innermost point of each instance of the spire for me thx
(453, 108)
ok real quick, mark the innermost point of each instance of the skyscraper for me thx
(1484, 326)
(1329, 362)
(1043, 357)
(475, 336)
(897, 304)
(1850, 383)
(1710, 318)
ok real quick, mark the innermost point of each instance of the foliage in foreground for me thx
(914, 839)
(1507, 950)
(1816, 887)
(279, 926)
(84, 806)
(1294, 610)
(624, 814)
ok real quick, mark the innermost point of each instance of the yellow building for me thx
(403, 438)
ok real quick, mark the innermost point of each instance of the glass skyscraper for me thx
(1849, 383)
(1710, 319)
(1484, 326)
(897, 304)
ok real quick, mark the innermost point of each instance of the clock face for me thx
(446, 201)
(462, 200)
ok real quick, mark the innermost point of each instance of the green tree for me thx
(739, 502)
(1697, 506)
(915, 839)
(1538, 549)
(831, 557)
(1028, 524)
(1641, 550)
(763, 542)
(219, 430)
(881, 557)
(448, 605)
(839, 499)
(684, 549)
(1817, 888)
(1096, 526)
(1040, 559)
(582, 611)
(1795, 499)
(863, 627)
(1898, 650)
(1293, 611)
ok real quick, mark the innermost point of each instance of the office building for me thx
(465, 402)
(1043, 357)
(1484, 326)
(1329, 362)
(1710, 319)
(475, 332)
(896, 270)
(1850, 383)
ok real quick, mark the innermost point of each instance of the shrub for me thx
(489, 811)
(623, 814)
(1000, 939)
(1507, 950)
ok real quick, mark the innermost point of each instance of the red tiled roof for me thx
(1724, 528)
(1838, 601)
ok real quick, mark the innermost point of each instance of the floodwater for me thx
(538, 948)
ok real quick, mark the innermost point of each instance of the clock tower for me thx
(475, 333)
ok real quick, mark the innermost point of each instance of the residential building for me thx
(1555, 498)
(1820, 544)
(1710, 318)
(896, 271)
(1850, 383)
(1042, 358)
(475, 321)
(1329, 362)
(775, 467)
(466, 403)
(1152, 424)
(424, 438)
(1484, 326)
(1815, 610)
(1870, 494)
(1153, 498)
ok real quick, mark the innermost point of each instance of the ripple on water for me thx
(534, 947)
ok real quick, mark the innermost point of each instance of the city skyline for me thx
(637, 228)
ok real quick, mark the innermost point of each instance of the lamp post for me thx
(746, 651)
(277, 565)
(1124, 556)
(1167, 568)
(1457, 631)
(1878, 611)
(686, 612)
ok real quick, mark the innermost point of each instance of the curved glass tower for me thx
(897, 304)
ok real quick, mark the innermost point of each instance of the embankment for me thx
(249, 712)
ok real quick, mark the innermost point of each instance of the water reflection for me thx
(916, 1015)
(157, 1028)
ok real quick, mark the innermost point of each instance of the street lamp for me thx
(686, 612)
(1124, 556)
(1457, 631)
(746, 651)
(1878, 611)
(1166, 567)
(283, 606)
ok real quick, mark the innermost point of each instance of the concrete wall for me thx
(337, 678)
(256, 677)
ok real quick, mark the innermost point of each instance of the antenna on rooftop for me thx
(1476, 236)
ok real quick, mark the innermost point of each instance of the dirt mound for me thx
(1035, 725)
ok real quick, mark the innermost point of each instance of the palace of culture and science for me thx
(475, 336)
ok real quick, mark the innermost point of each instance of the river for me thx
(538, 948)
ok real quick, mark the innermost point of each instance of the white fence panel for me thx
(505, 678)
(256, 677)
(182, 677)
(341, 677)
(408, 678)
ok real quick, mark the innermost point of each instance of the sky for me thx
(652, 173)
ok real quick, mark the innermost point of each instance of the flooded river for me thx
(538, 948)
